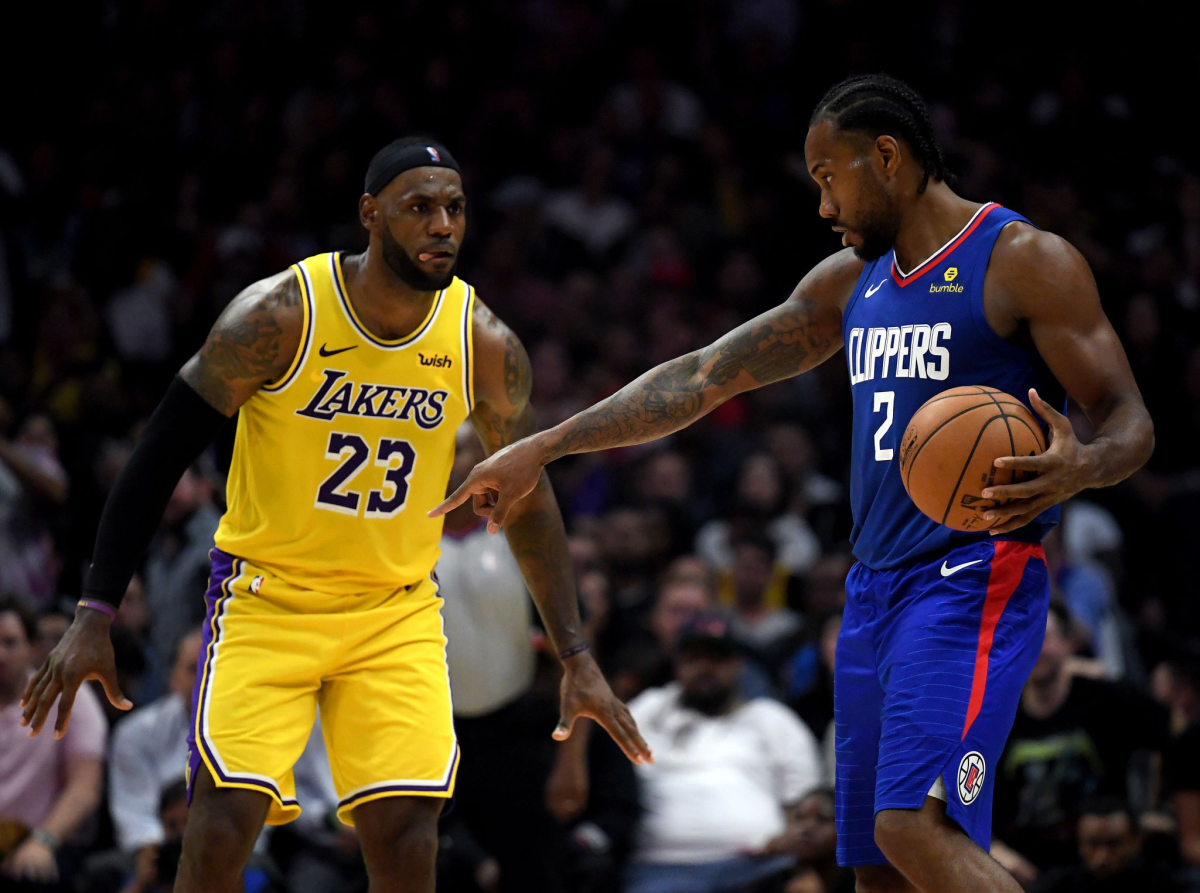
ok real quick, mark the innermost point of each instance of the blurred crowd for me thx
(636, 187)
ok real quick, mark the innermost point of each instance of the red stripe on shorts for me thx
(1008, 567)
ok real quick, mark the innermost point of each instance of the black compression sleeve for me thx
(178, 432)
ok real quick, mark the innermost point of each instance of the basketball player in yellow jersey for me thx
(352, 374)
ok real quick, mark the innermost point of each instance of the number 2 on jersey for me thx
(884, 399)
(397, 456)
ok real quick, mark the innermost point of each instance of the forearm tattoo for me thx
(784, 342)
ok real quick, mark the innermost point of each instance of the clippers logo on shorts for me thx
(971, 772)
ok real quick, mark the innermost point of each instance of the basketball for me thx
(948, 452)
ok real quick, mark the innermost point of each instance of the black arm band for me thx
(178, 432)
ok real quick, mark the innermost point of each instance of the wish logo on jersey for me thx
(379, 401)
(916, 351)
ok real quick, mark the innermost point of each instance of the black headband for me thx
(402, 155)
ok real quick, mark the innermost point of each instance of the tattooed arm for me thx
(252, 343)
(502, 416)
(803, 331)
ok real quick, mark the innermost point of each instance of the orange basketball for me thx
(948, 450)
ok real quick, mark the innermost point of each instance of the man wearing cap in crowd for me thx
(350, 375)
(726, 769)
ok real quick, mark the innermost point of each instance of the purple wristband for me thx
(102, 607)
(573, 650)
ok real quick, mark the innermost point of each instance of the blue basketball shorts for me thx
(930, 665)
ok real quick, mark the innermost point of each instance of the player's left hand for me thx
(1062, 471)
(585, 692)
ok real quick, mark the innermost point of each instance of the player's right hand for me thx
(498, 483)
(85, 652)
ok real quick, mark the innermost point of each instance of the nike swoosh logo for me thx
(871, 291)
(947, 571)
(328, 353)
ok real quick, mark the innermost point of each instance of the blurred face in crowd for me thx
(709, 675)
(183, 674)
(16, 654)
(192, 491)
(813, 823)
(1056, 650)
(38, 431)
(419, 220)
(678, 602)
(1107, 843)
(134, 613)
(760, 485)
(752, 570)
(174, 817)
(855, 195)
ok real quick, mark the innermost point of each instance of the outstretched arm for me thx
(502, 415)
(795, 336)
(253, 343)
(1038, 280)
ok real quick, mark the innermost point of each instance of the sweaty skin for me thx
(1037, 287)
(253, 343)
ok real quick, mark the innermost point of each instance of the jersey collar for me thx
(903, 279)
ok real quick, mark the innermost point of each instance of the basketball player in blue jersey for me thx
(941, 628)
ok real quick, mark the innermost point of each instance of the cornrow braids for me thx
(876, 104)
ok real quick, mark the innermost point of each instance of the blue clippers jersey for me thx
(908, 338)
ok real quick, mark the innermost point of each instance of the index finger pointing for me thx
(454, 500)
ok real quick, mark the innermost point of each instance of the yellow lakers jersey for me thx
(337, 463)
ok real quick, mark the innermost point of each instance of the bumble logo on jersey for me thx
(336, 464)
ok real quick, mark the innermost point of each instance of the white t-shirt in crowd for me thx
(488, 615)
(718, 785)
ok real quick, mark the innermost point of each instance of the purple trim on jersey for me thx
(224, 569)
(430, 787)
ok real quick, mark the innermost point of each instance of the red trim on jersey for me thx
(941, 255)
(1008, 567)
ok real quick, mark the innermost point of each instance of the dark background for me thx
(158, 157)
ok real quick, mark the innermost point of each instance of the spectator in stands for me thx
(1177, 686)
(811, 837)
(177, 568)
(51, 625)
(149, 752)
(1110, 855)
(32, 484)
(770, 630)
(726, 769)
(49, 787)
(1073, 738)
(516, 779)
(808, 681)
(761, 508)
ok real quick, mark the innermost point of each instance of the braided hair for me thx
(876, 104)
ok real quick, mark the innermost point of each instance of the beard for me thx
(406, 268)
(711, 701)
(878, 226)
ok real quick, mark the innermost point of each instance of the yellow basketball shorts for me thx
(374, 664)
